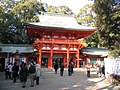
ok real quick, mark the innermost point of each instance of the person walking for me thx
(6, 72)
(56, 67)
(37, 73)
(70, 69)
(100, 71)
(103, 70)
(15, 70)
(23, 74)
(1, 68)
(88, 71)
(61, 69)
(10, 70)
(97, 69)
(32, 74)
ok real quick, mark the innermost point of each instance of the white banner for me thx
(112, 66)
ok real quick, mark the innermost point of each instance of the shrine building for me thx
(58, 37)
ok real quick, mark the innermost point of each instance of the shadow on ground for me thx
(51, 81)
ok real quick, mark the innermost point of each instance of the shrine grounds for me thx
(51, 81)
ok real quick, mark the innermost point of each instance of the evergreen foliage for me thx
(108, 24)
(103, 14)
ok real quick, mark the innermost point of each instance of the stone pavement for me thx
(51, 81)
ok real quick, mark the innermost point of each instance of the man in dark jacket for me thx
(56, 67)
(23, 74)
(15, 70)
(32, 74)
(61, 69)
(70, 69)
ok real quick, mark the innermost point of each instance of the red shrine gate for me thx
(54, 38)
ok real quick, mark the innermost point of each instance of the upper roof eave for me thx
(60, 21)
(82, 28)
(95, 51)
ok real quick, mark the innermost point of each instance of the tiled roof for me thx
(95, 51)
(12, 48)
(59, 21)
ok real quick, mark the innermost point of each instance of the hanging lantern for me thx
(17, 55)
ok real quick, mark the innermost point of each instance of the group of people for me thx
(61, 66)
(8, 71)
(101, 70)
(22, 72)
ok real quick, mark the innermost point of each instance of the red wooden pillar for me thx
(77, 58)
(39, 58)
(38, 46)
(78, 55)
(50, 57)
(65, 60)
(68, 56)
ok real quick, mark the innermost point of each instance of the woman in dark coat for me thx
(72, 66)
(70, 69)
(23, 74)
(56, 67)
(15, 70)
(61, 69)
(103, 70)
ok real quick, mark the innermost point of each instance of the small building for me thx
(10, 53)
(95, 55)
